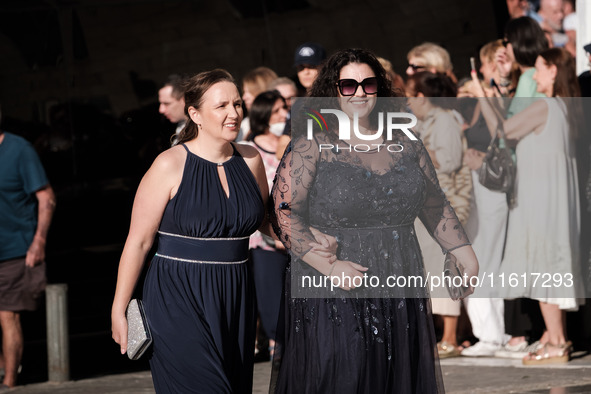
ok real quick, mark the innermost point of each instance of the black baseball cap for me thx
(309, 53)
(587, 48)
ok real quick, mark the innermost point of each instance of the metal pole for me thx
(58, 352)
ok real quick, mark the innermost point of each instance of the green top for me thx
(526, 88)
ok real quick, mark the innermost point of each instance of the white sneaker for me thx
(481, 349)
(518, 351)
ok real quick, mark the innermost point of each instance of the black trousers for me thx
(524, 318)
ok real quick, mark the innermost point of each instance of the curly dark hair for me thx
(325, 84)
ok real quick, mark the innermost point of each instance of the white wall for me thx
(583, 33)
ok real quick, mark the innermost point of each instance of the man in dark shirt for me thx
(27, 202)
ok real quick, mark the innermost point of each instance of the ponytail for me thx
(188, 132)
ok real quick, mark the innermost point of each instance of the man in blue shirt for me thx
(27, 202)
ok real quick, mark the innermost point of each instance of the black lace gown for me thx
(366, 340)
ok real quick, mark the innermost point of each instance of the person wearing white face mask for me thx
(288, 90)
(268, 258)
(268, 114)
(277, 128)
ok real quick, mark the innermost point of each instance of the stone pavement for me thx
(461, 375)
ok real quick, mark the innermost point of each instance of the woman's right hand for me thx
(119, 330)
(324, 242)
(325, 245)
(503, 62)
(344, 273)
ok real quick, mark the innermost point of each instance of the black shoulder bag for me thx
(498, 170)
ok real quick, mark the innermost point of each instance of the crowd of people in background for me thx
(232, 148)
(533, 60)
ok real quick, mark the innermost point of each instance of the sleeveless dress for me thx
(366, 340)
(542, 251)
(198, 293)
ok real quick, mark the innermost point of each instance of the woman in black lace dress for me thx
(368, 338)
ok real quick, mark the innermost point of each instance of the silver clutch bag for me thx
(139, 337)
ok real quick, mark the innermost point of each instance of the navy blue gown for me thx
(198, 294)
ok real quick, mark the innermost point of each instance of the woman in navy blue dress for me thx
(201, 200)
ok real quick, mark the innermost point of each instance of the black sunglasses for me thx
(415, 67)
(348, 87)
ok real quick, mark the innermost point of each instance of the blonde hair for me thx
(432, 55)
(488, 50)
(281, 81)
(257, 80)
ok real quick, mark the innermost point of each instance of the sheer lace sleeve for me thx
(291, 187)
(437, 214)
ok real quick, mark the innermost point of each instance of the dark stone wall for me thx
(114, 54)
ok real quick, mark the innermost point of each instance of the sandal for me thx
(464, 345)
(447, 350)
(550, 354)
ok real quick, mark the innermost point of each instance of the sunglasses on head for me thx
(415, 67)
(348, 87)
